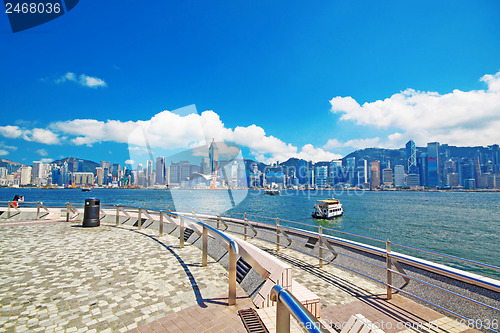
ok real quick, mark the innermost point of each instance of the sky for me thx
(314, 80)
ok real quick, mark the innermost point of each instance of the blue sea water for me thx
(462, 224)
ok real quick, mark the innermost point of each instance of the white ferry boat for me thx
(273, 191)
(327, 209)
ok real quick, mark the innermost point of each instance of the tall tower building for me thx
(433, 174)
(375, 169)
(411, 157)
(160, 170)
(213, 153)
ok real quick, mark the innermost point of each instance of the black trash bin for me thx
(91, 213)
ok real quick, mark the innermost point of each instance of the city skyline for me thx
(435, 166)
(280, 80)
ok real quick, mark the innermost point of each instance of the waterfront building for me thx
(321, 173)
(213, 153)
(413, 180)
(388, 177)
(477, 170)
(160, 170)
(362, 173)
(205, 166)
(82, 178)
(3, 172)
(184, 170)
(36, 172)
(25, 175)
(411, 157)
(335, 171)
(399, 176)
(433, 172)
(174, 174)
(452, 179)
(375, 170)
(351, 169)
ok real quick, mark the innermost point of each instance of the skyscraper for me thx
(213, 153)
(433, 175)
(399, 176)
(411, 157)
(160, 170)
(375, 169)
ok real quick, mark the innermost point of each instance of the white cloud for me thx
(37, 134)
(42, 152)
(82, 79)
(131, 162)
(169, 130)
(11, 132)
(44, 136)
(46, 160)
(4, 152)
(457, 118)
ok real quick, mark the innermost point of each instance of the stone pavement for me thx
(57, 276)
(62, 277)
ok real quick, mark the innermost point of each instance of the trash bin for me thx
(91, 213)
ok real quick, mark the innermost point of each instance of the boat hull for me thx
(322, 217)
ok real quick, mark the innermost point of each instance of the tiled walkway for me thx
(61, 277)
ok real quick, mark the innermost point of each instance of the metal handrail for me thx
(286, 305)
(232, 245)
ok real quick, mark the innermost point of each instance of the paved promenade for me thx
(60, 277)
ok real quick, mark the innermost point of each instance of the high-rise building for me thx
(25, 175)
(399, 176)
(36, 171)
(477, 170)
(433, 174)
(213, 153)
(388, 177)
(411, 157)
(160, 171)
(351, 169)
(100, 175)
(321, 176)
(375, 170)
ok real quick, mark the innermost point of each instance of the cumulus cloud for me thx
(82, 79)
(42, 152)
(169, 130)
(41, 135)
(458, 118)
(3, 152)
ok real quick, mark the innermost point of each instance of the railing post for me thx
(282, 317)
(277, 234)
(181, 230)
(38, 210)
(8, 210)
(388, 265)
(117, 216)
(218, 221)
(139, 219)
(161, 224)
(67, 211)
(204, 247)
(231, 299)
(320, 241)
(245, 221)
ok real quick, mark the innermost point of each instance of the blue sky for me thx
(314, 80)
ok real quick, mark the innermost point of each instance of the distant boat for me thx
(86, 189)
(327, 209)
(272, 191)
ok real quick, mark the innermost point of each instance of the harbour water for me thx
(462, 224)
